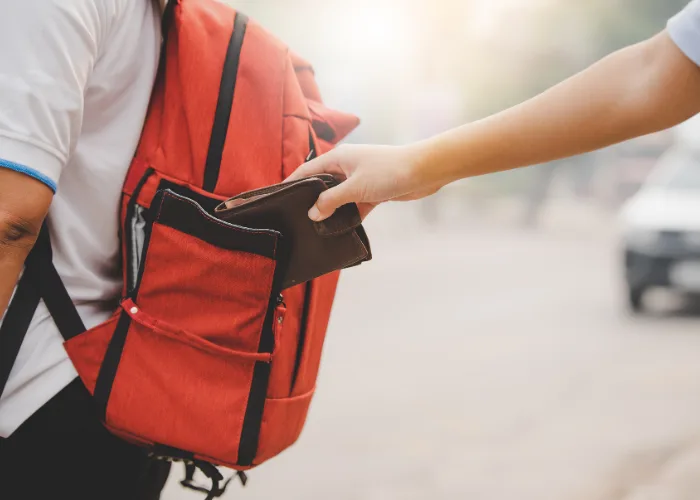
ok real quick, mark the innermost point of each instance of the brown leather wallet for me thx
(312, 248)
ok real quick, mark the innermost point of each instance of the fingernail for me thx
(314, 213)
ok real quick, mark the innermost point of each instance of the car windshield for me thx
(678, 170)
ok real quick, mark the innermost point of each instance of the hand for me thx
(373, 174)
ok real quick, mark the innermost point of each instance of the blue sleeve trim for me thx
(28, 171)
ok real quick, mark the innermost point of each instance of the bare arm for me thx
(24, 203)
(638, 90)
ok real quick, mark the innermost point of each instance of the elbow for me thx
(667, 83)
(17, 233)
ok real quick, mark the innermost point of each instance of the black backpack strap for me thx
(52, 289)
(40, 280)
(213, 474)
(15, 326)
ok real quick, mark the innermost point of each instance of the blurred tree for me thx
(576, 34)
(569, 37)
(632, 20)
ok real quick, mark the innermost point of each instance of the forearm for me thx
(635, 91)
(9, 272)
(24, 202)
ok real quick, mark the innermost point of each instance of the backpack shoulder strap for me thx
(53, 292)
(15, 325)
(40, 280)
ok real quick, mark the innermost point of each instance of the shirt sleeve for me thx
(684, 29)
(47, 52)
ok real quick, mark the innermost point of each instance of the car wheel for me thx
(635, 299)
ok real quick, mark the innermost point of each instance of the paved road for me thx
(493, 364)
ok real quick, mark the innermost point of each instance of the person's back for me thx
(75, 82)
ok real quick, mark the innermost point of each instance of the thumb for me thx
(323, 164)
(331, 199)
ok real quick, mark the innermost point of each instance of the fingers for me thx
(324, 164)
(330, 200)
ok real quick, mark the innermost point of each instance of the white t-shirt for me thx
(684, 30)
(75, 81)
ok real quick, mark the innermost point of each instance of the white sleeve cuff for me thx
(684, 30)
(30, 160)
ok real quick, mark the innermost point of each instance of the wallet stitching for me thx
(275, 189)
(284, 194)
(353, 225)
(287, 193)
(263, 194)
(266, 191)
(355, 260)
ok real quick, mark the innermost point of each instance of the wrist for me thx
(429, 167)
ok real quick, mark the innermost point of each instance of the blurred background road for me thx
(491, 362)
(487, 352)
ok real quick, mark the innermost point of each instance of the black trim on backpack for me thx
(252, 420)
(177, 212)
(166, 22)
(15, 326)
(40, 280)
(131, 273)
(313, 150)
(323, 131)
(52, 290)
(267, 337)
(303, 325)
(113, 355)
(110, 364)
(207, 203)
(313, 153)
(224, 103)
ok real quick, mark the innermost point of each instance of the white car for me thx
(661, 228)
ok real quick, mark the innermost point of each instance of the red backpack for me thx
(205, 360)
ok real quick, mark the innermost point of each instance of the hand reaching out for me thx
(638, 90)
(373, 174)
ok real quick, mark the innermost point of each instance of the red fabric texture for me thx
(322, 293)
(296, 131)
(341, 124)
(286, 334)
(255, 129)
(282, 423)
(219, 295)
(175, 387)
(305, 77)
(286, 343)
(185, 373)
(88, 349)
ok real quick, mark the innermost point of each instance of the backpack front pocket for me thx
(177, 389)
(185, 362)
(208, 277)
